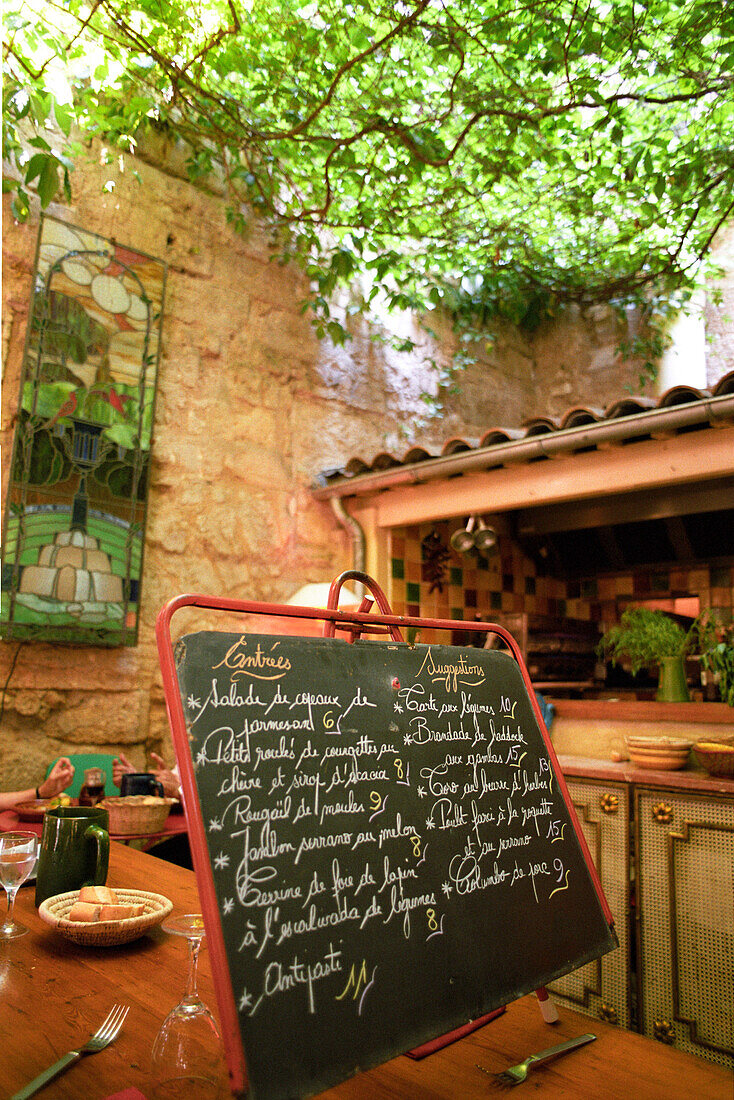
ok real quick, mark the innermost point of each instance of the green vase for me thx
(672, 687)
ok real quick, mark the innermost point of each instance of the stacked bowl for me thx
(659, 753)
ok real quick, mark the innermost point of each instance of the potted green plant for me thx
(715, 645)
(650, 639)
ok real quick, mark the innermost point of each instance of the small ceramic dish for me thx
(34, 809)
(105, 933)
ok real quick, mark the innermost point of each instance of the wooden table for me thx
(53, 994)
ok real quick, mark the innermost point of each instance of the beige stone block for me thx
(27, 703)
(282, 331)
(104, 718)
(25, 759)
(63, 668)
(169, 531)
(257, 467)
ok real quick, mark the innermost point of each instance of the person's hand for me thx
(58, 778)
(121, 766)
(164, 775)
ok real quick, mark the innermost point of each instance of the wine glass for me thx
(187, 1052)
(18, 852)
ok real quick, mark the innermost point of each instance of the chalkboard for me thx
(390, 851)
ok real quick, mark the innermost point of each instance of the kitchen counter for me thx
(684, 779)
(596, 728)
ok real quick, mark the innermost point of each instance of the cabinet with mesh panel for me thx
(684, 867)
(601, 988)
(665, 858)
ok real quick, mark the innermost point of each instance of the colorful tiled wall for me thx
(475, 587)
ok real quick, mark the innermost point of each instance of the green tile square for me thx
(495, 601)
(720, 576)
(398, 569)
(413, 592)
(660, 582)
(457, 575)
(589, 589)
(457, 612)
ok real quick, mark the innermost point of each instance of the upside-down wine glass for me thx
(187, 1056)
(18, 852)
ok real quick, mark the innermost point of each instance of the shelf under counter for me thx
(683, 779)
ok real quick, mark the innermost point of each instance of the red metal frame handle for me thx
(332, 604)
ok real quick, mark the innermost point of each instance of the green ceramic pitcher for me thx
(672, 686)
(75, 850)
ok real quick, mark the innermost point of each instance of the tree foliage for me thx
(493, 156)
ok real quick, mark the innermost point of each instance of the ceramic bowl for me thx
(716, 757)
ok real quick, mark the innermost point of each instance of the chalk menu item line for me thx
(384, 845)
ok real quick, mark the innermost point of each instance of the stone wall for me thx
(251, 406)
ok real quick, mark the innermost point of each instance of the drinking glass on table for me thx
(187, 1058)
(18, 851)
(92, 790)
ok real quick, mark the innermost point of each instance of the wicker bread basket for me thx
(105, 933)
(137, 813)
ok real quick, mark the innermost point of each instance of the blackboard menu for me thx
(391, 854)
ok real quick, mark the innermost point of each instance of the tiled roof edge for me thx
(636, 417)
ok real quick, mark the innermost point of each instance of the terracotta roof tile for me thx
(501, 435)
(576, 418)
(540, 425)
(583, 414)
(628, 406)
(681, 395)
(455, 445)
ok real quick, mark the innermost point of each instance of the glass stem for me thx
(11, 902)
(191, 993)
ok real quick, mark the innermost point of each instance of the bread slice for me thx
(120, 912)
(99, 895)
(84, 911)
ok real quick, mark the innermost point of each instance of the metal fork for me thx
(103, 1036)
(516, 1074)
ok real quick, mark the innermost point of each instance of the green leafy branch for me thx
(491, 158)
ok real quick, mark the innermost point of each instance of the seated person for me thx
(176, 848)
(169, 779)
(55, 782)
